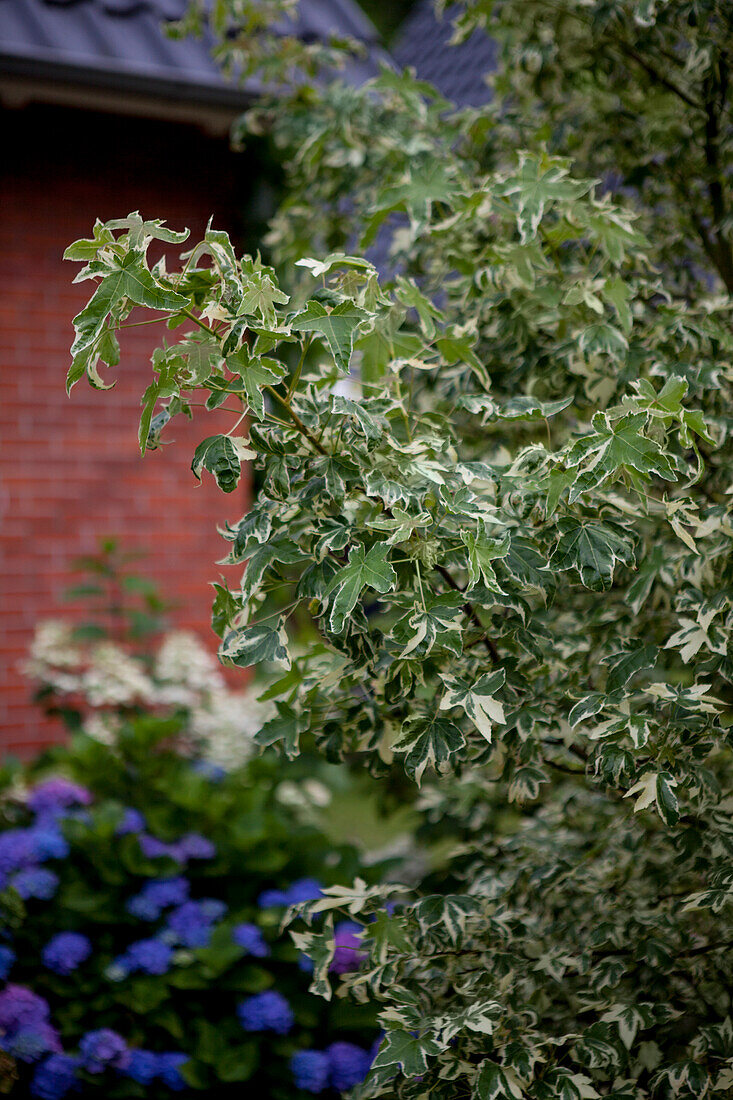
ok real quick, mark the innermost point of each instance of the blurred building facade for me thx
(102, 114)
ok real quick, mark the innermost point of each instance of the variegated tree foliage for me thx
(513, 537)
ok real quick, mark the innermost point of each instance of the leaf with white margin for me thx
(477, 700)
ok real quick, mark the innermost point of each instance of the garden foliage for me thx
(512, 532)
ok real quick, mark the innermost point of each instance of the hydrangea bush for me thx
(512, 532)
(141, 896)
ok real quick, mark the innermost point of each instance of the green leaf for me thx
(219, 455)
(285, 730)
(253, 645)
(428, 741)
(482, 551)
(477, 700)
(339, 326)
(538, 182)
(365, 570)
(403, 1051)
(592, 549)
(493, 1082)
(132, 280)
(622, 666)
(255, 373)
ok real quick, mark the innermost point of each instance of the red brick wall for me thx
(70, 470)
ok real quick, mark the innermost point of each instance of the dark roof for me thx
(119, 45)
(456, 71)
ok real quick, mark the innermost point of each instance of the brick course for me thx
(70, 470)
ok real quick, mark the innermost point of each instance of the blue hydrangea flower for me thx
(250, 938)
(191, 923)
(31, 1042)
(271, 899)
(310, 1069)
(101, 1049)
(157, 895)
(21, 1007)
(304, 889)
(54, 1077)
(35, 882)
(150, 956)
(132, 822)
(169, 1070)
(213, 772)
(349, 1065)
(55, 795)
(268, 1011)
(16, 851)
(7, 958)
(153, 848)
(65, 951)
(142, 1067)
(48, 842)
(194, 846)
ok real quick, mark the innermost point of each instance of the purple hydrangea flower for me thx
(101, 1049)
(21, 1007)
(142, 1067)
(195, 846)
(268, 1011)
(157, 895)
(146, 957)
(250, 938)
(153, 848)
(7, 958)
(31, 1042)
(65, 951)
(56, 795)
(169, 1070)
(310, 1069)
(349, 1065)
(132, 822)
(35, 882)
(54, 1077)
(190, 924)
(347, 956)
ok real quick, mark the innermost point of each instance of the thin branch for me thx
(470, 610)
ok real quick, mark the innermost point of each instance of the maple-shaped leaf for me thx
(339, 326)
(427, 741)
(477, 700)
(439, 622)
(656, 787)
(365, 570)
(537, 182)
(130, 279)
(482, 550)
(403, 1051)
(496, 1083)
(617, 446)
(220, 456)
(255, 644)
(592, 548)
(255, 372)
(284, 729)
